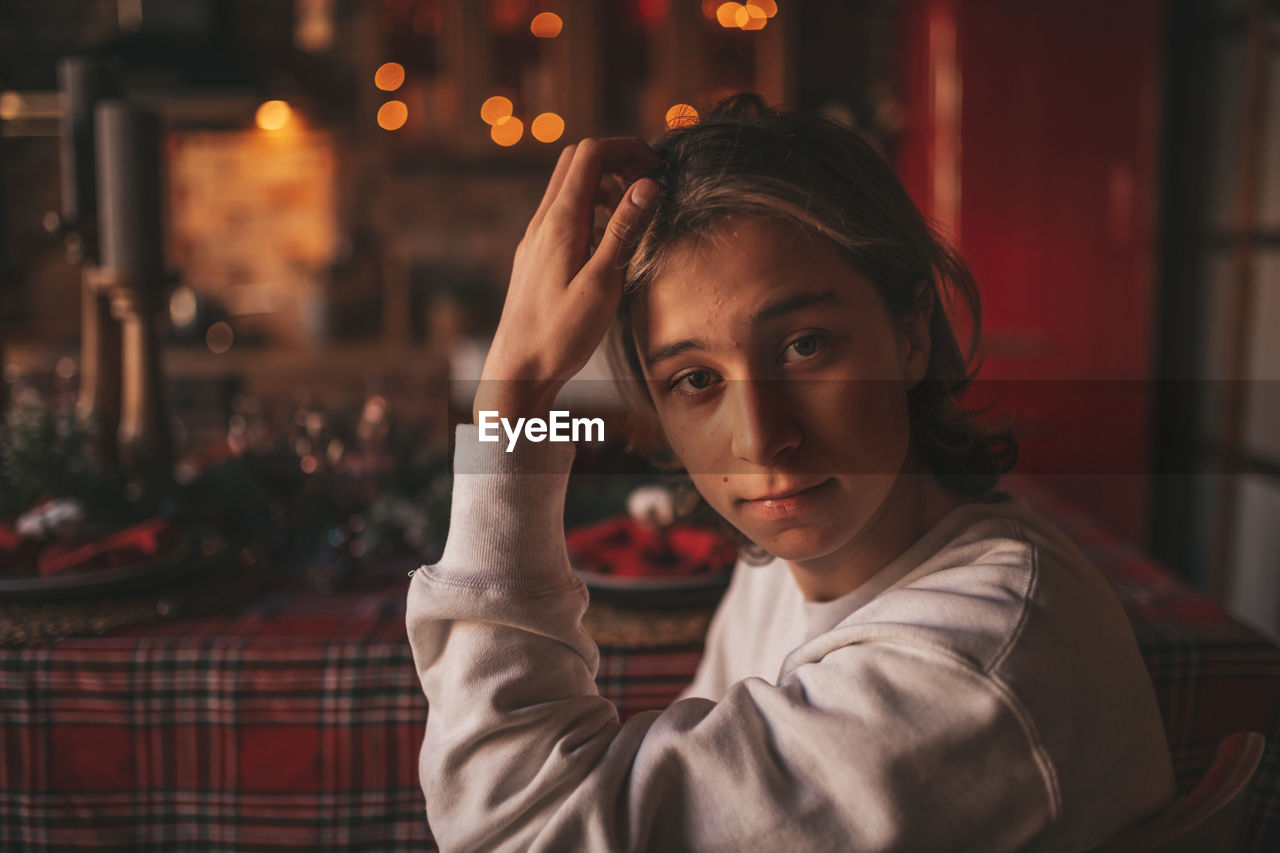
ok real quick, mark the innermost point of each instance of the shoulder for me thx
(997, 575)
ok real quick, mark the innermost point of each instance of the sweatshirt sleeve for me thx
(874, 746)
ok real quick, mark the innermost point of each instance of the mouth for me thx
(784, 493)
(787, 501)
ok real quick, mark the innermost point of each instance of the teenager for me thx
(925, 664)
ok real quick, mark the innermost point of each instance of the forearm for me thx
(495, 629)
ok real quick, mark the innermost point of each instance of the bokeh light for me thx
(769, 7)
(495, 109)
(741, 17)
(709, 8)
(392, 115)
(726, 14)
(546, 25)
(681, 115)
(273, 115)
(547, 127)
(183, 307)
(507, 131)
(756, 18)
(389, 76)
(11, 104)
(219, 338)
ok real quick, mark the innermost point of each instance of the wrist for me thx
(514, 398)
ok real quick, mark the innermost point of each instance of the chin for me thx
(799, 545)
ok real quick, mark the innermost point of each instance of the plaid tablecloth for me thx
(296, 721)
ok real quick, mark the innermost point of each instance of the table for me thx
(294, 722)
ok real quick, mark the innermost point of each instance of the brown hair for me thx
(747, 160)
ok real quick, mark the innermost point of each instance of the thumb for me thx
(628, 220)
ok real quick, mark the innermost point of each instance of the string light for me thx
(751, 15)
(496, 108)
(547, 127)
(392, 115)
(756, 18)
(507, 131)
(681, 115)
(389, 76)
(546, 25)
(726, 14)
(273, 115)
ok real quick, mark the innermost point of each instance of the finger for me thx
(594, 158)
(632, 215)
(553, 185)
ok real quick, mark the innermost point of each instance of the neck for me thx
(915, 503)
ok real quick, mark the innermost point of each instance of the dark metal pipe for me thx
(132, 243)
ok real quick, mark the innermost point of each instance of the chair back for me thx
(1211, 816)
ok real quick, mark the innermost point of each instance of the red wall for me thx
(1054, 144)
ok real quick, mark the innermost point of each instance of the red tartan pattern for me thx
(296, 722)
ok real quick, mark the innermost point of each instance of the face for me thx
(781, 383)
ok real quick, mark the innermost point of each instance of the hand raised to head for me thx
(563, 296)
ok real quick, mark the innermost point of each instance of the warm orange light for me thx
(727, 14)
(769, 7)
(681, 115)
(11, 104)
(546, 25)
(389, 76)
(756, 18)
(273, 115)
(507, 131)
(392, 115)
(495, 109)
(547, 127)
(709, 8)
(741, 17)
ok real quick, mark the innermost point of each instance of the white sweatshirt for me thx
(982, 692)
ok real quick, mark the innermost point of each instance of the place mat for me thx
(217, 586)
(640, 629)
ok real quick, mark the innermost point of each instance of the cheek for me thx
(866, 425)
(713, 488)
(694, 438)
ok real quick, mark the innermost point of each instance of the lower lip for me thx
(790, 506)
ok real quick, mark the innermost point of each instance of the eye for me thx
(802, 348)
(693, 382)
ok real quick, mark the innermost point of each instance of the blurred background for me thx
(288, 232)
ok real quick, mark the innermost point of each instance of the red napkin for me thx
(623, 547)
(17, 555)
(130, 545)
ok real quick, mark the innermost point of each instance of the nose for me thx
(765, 423)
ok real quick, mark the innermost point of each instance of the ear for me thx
(916, 337)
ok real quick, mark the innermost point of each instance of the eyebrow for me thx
(772, 311)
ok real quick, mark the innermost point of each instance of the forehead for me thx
(717, 280)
